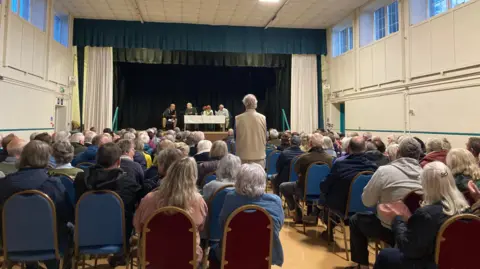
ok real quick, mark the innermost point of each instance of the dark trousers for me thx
(292, 193)
(362, 227)
(389, 258)
(276, 182)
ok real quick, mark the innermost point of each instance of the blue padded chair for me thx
(100, 225)
(209, 178)
(293, 176)
(215, 205)
(67, 182)
(316, 174)
(354, 205)
(30, 228)
(272, 163)
(268, 151)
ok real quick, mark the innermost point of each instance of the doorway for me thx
(60, 118)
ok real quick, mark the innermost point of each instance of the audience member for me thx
(165, 159)
(293, 191)
(218, 151)
(250, 190)
(230, 140)
(284, 141)
(78, 140)
(328, 146)
(143, 136)
(284, 163)
(226, 172)
(45, 137)
(391, 139)
(193, 141)
(435, 151)
(390, 183)
(203, 151)
(89, 136)
(415, 235)
(32, 175)
(163, 145)
(60, 136)
(353, 134)
(273, 138)
(251, 133)
(126, 161)
(88, 156)
(108, 131)
(464, 168)
(140, 156)
(345, 147)
(422, 145)
(129, 136)
(375, 153)
(184, 148)
(177, 189)
(367, 136)
(391, 152)
(63, 154)
(473, 145)
(305, 145)
(14, 149)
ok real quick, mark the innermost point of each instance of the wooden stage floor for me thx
(214, 136)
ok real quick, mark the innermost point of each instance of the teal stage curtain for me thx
(192, 37)
(192, 58)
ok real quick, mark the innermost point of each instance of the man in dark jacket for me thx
(283, 163)
(91, 152)
(293, 191)
(375, 153)
(106, 175)
(126, 161)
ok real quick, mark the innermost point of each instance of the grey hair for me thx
(327, 143)
(89, 135)
(273, 134)
(177, 130)
(170, 137)
(129, 136)
(228, 168)
(32, 136)
(171, 132)
(409, 148)
(230, 131)
(219, 149)
(392, 151)
(346, 143)
(61, 136)
(62, 152)
(204, 146)
(35, 155)
(251, 180)
(198, 136)
(143, 135)
(184, 148)
(77, 138)
(434, 144)
(316, 140)
(250, 101)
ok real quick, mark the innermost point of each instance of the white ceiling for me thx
(316, 14)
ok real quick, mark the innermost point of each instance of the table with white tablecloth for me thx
(201, 119)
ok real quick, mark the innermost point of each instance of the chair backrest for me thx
(272, 162)
(100, 220)
(293, 176)
(84, 165)
(354, 202)
(268, 151)
(209, 178)
(169, 240)
(316, 174)
(457, 242)
(413, 200)
(29, 223)
(246, 245)
(67, 182)
(215, 205)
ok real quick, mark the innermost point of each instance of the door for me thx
(60, 118)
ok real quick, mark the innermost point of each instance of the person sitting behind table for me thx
(217, 152)
(63, 153)
(464, 167)
(203, 153)
(177, 189)
(165, 159)
(250, 190)
(415, 235)
(226, 173)
(14, 149)
(435, 151)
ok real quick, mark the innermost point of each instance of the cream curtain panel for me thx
(99, 88)
(304, 93)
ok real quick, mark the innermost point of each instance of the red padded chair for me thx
(457, 243)
(246, 245)
(413, 200)
(169, 240)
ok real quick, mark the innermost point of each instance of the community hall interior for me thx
(365, 79)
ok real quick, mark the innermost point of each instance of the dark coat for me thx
(202, 157)
(204, 168)
(302, 164)
(140, 159)
(78, 148)
(88, 156)
(284, 161)
(193, 151)
(377, 157)
(133, 169)
(337, 184)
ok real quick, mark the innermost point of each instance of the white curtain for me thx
(304, 93)
(99, 89)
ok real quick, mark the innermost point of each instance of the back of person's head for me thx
(184, 148)
(462, 161)
(434, 144)
(170, 137)
(273, 134)
(439, 187)
(357, 145)
(96, 140)
(143, 136)
(45, 137)
(198, 136)
(420, 141)
(15, 147)
(108, 131)
(219, 149)
(108, 155)
(230, 132)
(446, 144)
(250, 101)
(138, 143)
(165, 144)
(63, 152)
(77, 138)
(370, 146)
(166, 158)
(228, 168)
(251, 180)
(296, 140)
(102, 139)
(409, 148)
(346, 144)
(171, 132)
(392, 151)
(178, 188)
(367, 136)
(129, 136)
(32, 136)
(379, 145)
(316, 140)
(131, 130)
(204, 146)
(125, 146)
(61, 136)
(35, 154)
(285, 138)
(89, 135)
(177, 130)
(473, 145)
(352, 134)
(327, 142)
(93, 129)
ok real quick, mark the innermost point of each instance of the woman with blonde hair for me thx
(177, 189)
(464, 168)
(416, 234)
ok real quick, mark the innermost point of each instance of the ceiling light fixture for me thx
(269, 1)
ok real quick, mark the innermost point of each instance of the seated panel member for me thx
(170, 117)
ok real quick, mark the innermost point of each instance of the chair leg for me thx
(23, 265)
(96, 261)
(345, 238)
(330, 231)
(83, 261)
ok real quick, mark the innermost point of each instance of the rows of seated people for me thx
(150, 170)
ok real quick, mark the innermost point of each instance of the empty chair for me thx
(100, 225)
(169, 240)
(272, 163)
(316, 174)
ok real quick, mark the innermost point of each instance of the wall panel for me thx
(379, 72)
(366, 67)
(442, 40)
(14, 41)
(393, 58)
(467, 37)
(420, 49)
(39, 52)
(28, 39)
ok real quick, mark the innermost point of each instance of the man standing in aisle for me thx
(169, 117)
(251, 133)
(222, 111)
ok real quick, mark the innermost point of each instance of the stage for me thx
(214, 136)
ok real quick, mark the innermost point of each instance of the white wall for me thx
(424, 79)
(33, 70)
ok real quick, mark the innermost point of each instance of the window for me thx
(385, 24)
(379, 23)
(392, 12)
(25, 9)
(343, 41)
(14, 6)
(33, 11)
(437, 7)
(60, 29)
(458, 2)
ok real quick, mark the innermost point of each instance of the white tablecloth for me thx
(204, 119)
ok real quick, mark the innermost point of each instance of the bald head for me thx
(357, 145)
(15, 147)
(250, 101)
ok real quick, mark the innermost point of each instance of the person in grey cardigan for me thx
(226, 172)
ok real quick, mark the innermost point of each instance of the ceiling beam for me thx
(139, 13)
(276, 13)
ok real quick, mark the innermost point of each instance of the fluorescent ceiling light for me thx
(269, 1)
